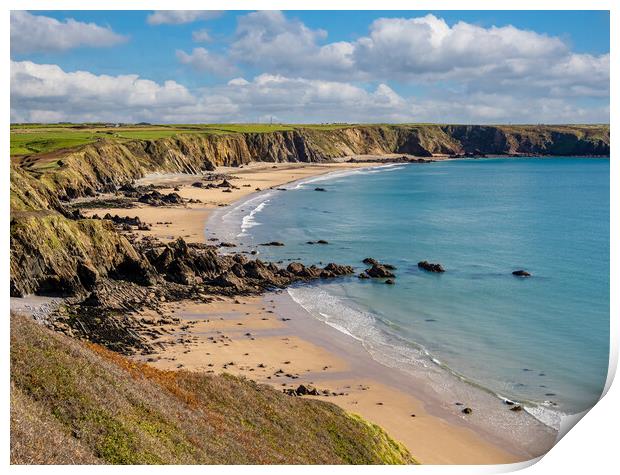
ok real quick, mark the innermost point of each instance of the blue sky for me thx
(300, 66)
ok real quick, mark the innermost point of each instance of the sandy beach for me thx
(269, 340)
(249, 337)
(188, 221)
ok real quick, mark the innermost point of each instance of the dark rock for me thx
(467, 410)
(430, 267)
(389, 282)
(272, 243)
(303, 390)
(238, 270)
(521, 273)
(87, 274)
(379, 271)
(155, 198)
(370, 261)
(224, 184)
(338, 269)
(363, 275)
(319, 189)
(516, 408)
(322, 241)
(179, 272)
(228, 279)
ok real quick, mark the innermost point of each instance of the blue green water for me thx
(543, 340)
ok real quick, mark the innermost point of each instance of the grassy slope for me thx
(77, 403)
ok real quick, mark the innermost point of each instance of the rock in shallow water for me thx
(521, 273)
(430, 267)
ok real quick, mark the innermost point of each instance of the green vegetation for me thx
(42, 139)
(32, 139)
(80, 403)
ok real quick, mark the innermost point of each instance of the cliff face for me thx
(47, 248)
(51, 254)
(105, 164)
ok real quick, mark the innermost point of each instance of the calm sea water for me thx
(543, 340)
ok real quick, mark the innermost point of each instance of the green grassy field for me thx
(32, 139)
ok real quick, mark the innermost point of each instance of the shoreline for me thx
(247, 337)
(532, 433)
(188, 221)
(452, 441)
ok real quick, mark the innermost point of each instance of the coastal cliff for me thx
(112, 274)
(48, 246)
(107, 163)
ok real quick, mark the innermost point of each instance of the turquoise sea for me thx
(543, 341)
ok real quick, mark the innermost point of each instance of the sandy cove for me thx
(188, 221)
(254, 337)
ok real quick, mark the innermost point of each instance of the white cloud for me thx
(429, 46)
(275, 43)
(42, 92)
(178, 17)
(422, 51)
(201, 36)
(38, 33)
(203, 60)
(39, 90)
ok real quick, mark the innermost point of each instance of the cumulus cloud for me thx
(42, 92)
(422, 51)
(202, 59)
(38, 33)
(270, 40)
(178, 17)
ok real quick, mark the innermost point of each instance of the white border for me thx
(591, 446)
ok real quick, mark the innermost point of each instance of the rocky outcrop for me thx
(53, 255)
(379, 271)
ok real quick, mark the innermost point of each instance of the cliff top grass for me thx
(35, 139)
(75, 402)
